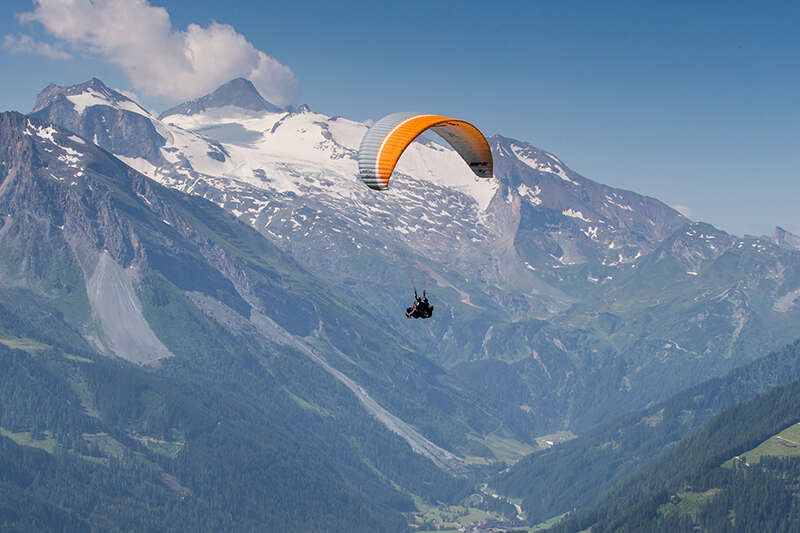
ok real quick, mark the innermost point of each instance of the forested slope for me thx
(574, 474)
(696, 486)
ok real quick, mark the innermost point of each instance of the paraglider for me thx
(385, 142)
(387, 139)
(421, 308)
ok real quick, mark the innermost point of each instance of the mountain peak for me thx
(11, 117)
(239, 82)
(239, 92)
(53, 92)
(785, 238)
(12, 124)
(302, 108)
(96, 83)
(509, 146)
(110, 119)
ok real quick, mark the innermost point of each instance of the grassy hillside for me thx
(692, 488)
(784, 444)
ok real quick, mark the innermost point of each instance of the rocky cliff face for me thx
(103, 116)
(570, 220)
(785, 238)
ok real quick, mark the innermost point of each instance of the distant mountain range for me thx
(561, 303)
(587, 295)
(239, 92)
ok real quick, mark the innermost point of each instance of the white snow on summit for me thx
(293, 175)
(90, 97)
(273, 150)
(553, 167)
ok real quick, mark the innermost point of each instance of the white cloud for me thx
(25, 43)
(158, 59)
(683, 210)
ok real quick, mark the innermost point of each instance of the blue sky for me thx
(696, 105)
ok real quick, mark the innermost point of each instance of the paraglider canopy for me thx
(387, 139)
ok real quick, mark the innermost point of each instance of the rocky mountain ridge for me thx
(553, 275)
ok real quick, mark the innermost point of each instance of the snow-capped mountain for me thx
(580, 220)
(282, 170)
(103, 116)
(537, 242)
(238, 92)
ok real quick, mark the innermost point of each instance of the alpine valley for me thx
(201, 323)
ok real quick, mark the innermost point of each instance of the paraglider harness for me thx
(421, 308)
